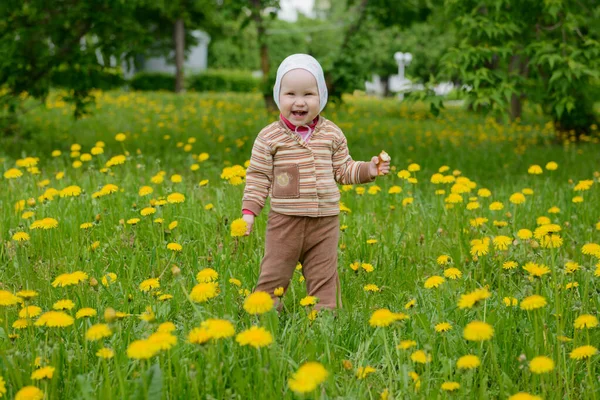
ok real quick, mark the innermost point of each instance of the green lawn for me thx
(412, 229)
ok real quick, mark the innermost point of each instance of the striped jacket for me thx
(301, 177)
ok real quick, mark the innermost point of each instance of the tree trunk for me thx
(335, 84)
(516, 105)
(179, 38)
(265, 65)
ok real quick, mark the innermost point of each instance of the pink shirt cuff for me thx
(247, 212)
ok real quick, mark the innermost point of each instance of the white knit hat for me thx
(302, 61)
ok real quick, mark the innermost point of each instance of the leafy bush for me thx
(88, 76)
(149, 81)
(224, 81)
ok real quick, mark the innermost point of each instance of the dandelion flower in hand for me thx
(238, 227)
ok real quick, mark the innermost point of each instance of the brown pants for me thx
(312, 242)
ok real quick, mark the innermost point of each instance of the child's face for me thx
(299, 97)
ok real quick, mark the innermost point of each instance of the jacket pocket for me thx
(286, 182)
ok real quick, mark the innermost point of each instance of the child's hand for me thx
(375, 168)
(249, 218)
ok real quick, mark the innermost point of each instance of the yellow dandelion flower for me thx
(541, 365)
(510, 301)
(533, 302)
(175, 198)
(478, 331)
(166, 327)
(469, 361)
(148, 211)
(238, 227)
(583, 352)
(258, 303)
(444, 259)
(218, 328)
(85, 313)
(109, 279)
(384, 317)
(142, 349)
(164, 340)
(63, 305)
(145, 190)
(207, 275)
(21, 323)
(30, 312)
(406, 344)
(55, 319)
(29, 393)
(452, 273)
(8, 299)
(450, 386)
(502, 242)
(496, 206)
(105, 353)
(517, 198)
(46, 223)
(97, 332)
(363, 372)
(199, 336)
(468, 300)
(20, 237)
(536, 270)
(367, 267)
(309, 301)
(509, 265)
(443, 327)
(256, 337)
(524, 396)
(308, 377)
(420, 357)
(585, 321)
(371, 288)
(434, 282)
(524, 234)
(174, 247)
(149, 284)
(203, 292)
(70, 279)
(26, 294)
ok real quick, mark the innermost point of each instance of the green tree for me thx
(546, 52)
(69, 42)
(369, 40)
(170, 24)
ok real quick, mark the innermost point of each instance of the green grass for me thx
(409, 240)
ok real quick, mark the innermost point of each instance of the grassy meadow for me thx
(471, 271)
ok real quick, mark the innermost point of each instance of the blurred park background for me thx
(498, 56)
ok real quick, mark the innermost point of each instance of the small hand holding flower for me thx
(249, 218)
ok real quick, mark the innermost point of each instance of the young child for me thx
(297, 161)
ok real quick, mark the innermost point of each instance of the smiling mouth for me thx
(299, 113)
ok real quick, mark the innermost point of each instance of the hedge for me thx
(224, 81)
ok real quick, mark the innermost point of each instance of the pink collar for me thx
(300, 129)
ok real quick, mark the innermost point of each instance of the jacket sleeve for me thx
(347, 171)
(259, 176)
